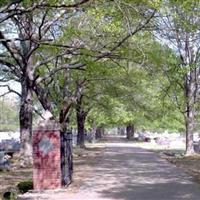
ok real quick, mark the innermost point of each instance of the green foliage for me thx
(133, 84)
(136, 94)
(3, 2)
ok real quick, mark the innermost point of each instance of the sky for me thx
(13, 85)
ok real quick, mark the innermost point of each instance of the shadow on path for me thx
(126, 172)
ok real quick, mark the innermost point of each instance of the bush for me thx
(25, 186)
(9, 195)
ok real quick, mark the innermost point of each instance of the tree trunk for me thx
(189, 127)
(25, 120)
(80, 118)
(190, 112)
(81, 129)
(99, 133)
(189, 137)
(130, 129)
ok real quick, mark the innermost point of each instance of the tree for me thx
(32, 23)
(178, 28)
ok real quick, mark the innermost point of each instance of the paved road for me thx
(125, 172)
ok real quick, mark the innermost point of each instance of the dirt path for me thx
(125, 172)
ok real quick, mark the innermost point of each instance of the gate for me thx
(66, 158)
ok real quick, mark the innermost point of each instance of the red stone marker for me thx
(46, 156)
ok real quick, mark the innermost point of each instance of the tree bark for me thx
(25, 120)
(130, 129)
(99, 133)
(81, 129)
(190, 112)
(189, 137)
(24, 24)
(81, 115)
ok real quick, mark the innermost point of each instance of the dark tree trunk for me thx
(99, 133)
(81, 129)
(80, 118)
(130, 129)
(25, 120)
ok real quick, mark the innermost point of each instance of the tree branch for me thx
(10, 50)
(10, 90)
(75, 5)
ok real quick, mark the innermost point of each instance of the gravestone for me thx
(47, 156)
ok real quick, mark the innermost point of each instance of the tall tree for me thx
(177, 27)
(31, 24)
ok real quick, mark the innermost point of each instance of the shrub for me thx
(9, 195)
(25, 186)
